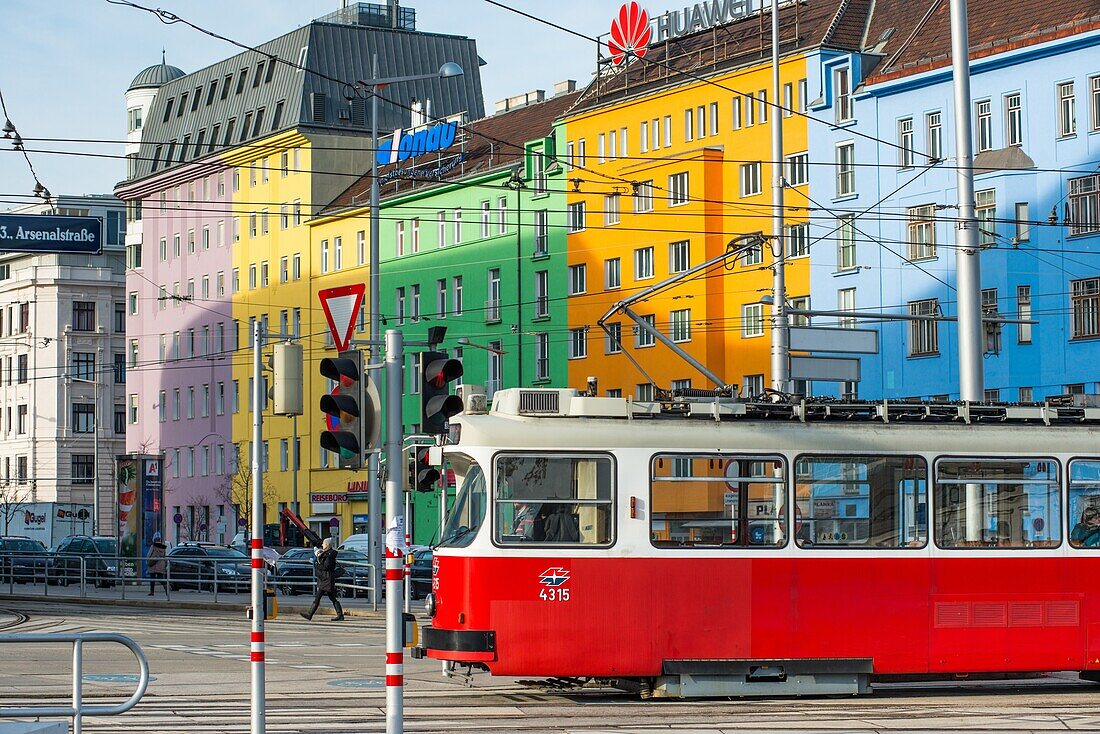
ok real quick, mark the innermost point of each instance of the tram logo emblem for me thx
(553, 576)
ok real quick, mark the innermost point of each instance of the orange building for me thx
(671, 155)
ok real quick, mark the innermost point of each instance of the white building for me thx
(63, 354)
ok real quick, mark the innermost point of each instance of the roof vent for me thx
(539, 402)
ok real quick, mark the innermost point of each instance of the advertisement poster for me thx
(152, 503)
(140, 486)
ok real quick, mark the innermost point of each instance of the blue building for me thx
(883, 214)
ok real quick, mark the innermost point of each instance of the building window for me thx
(846, 301)
(750, 179)
(1067, 110)
(846, 242)
(83, 315)
(1023, 224)
(400, 305)
(133, 408)
(922, 232)
(1084, 204)
(296, 267)
(753, 255)
(83, 418)
(986, 212)
(735, 113)
(83, 366)
(797, 169)
(924, 334)
(984, 116)
(935, 134)
(679, 256)
(644, 337)
(667, 125)
(752, 320)
(643, 263)
(1094, 103)
(485, 219)
(441, 298)
(577, 279)
(798, 240)
(457, 226)
(905, 142)
(83, 468)
(613, 341)
(612, 273)
(611, 209)
(689, 124)
(542, 356)
(492, 303)
(680, 325)
(678, 189)
(1085, 295)
(542, 293)
(991, 329)
(576, 216)
(1014, 120)
(1023, 312)
(750, 110)
(578, 343)
(845, 169)
(643, 197)
(842, 92)
(456, 282)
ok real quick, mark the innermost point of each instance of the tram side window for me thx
(468, 510)
(708, 500)
(861, 502)
(1084, 503)
(556, 499)
(998, 503)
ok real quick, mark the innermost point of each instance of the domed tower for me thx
(139, 98)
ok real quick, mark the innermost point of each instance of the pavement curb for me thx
(170, 604)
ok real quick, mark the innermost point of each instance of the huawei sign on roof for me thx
(632, 31)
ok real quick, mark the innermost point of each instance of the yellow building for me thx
(671, 159)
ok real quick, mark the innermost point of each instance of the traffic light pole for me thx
(259, 722)
(395, 533)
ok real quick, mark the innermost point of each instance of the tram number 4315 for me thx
(553, 581)
(554, 594)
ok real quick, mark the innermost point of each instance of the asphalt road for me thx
(327, 677)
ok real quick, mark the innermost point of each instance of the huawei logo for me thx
(630, 33)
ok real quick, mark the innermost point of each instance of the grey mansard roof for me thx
(187, 113)
(155, 76)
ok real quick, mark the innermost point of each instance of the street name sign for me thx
(42, 233)
(823, 339)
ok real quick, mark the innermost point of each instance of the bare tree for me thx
(13, 495)
(237, 491)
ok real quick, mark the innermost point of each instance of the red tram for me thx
(651, 545)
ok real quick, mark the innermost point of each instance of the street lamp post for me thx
(374, 489)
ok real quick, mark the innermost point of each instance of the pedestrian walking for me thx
(157, 565)
(325, 571)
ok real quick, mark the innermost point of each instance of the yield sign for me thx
(341, 306)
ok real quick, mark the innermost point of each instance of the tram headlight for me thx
(429, 604)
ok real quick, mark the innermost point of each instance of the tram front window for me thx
(558, 499)
(466, 516)
(707, 500)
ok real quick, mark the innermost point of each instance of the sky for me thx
(65, 65)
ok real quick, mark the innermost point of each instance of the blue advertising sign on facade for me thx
(48, 233)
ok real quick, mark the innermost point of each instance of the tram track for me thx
(10, 619)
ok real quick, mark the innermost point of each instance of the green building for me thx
(471, 238)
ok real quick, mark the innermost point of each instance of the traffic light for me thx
(426, 475)
(436, 402)
(351, 410)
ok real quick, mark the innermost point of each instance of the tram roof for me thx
(528, 421)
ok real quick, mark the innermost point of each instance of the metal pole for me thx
(967, 265)
(95, 450)
(407, 570)
(294, 464)
(374, 490)
(259, 723)
(395, 522)
(780, 335)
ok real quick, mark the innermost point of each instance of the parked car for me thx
(294, 572)
(420, 573)
(100, 560)
(357, 542)
(22, 560)
(195, 565)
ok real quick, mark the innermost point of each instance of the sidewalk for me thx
(137, 596)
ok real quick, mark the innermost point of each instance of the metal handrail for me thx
(78, 710)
